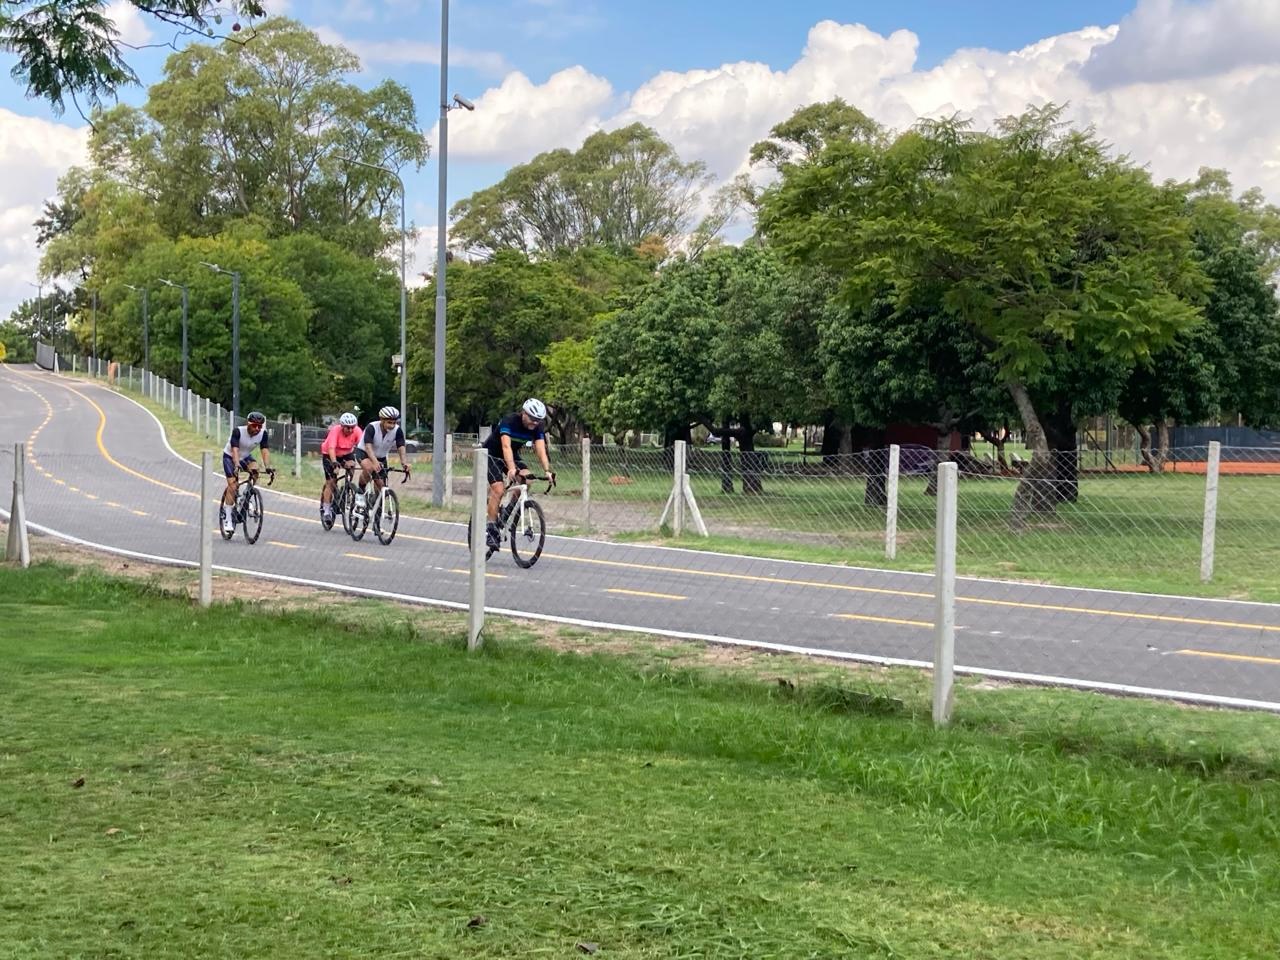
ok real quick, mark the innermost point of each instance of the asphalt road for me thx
(100, 470)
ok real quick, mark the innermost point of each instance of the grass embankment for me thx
(351, 783)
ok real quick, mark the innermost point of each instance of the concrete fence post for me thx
(297, 450)
(479, 516)
(586, 484)
(447, 500)
(206, 531)
(677, 503)
(944, 578)
(1209, 533)
(18, 545)
(891, 503)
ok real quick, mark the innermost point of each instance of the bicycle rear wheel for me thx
(526, 544)
(387, 519)
(252, 515)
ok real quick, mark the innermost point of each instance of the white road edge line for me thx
(1183, 696)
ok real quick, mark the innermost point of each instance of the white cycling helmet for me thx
(348, 420)
(535, 408)
(388, 413)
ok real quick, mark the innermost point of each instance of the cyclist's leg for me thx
(497, 485)
(229, 471)
(330, 481)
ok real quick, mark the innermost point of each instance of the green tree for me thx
(354, 323)
(256, 130)
(1042, 241)
(620, 188)
(504, 314)
(72, 49)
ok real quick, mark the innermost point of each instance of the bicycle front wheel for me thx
(387, 520)
(252, 516)
(528, 534)
(342, 502)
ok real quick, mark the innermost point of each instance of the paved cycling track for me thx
(101, 471)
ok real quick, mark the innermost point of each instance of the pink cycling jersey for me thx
(337, 444)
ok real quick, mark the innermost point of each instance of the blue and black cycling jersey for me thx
(512, 425)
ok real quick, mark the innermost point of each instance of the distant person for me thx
(519, 428)
(237, 455)
(338, 451)
(380, 438)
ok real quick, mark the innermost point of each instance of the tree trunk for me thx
(833, 433)
(1034, 493)
(752, 466)
(1064, 452)
(1164, 441)
(1144, 447)
(726, 460)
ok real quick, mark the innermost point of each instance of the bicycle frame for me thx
(521, 486)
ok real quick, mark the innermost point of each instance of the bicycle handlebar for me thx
(403, 470)
(549, 478)
(270, 472)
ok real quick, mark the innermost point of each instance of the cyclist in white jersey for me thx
(237, 455)
(380, 437)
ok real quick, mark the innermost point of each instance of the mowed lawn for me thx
(353, 783)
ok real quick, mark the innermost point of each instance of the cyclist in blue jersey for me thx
(506, 439)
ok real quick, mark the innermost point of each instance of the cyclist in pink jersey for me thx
(338, 452)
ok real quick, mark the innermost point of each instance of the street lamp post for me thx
(235, 334)
(183, 287)
(94, 295)
(442, 202)
(404, 356)
(146, 338)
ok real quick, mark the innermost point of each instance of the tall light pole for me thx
(146, 336)
(404, 356)
(94, 295)
(442, 204)
(183, 287)
(235, 334)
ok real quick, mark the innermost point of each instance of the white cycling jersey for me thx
(383, 443)
(242, 440)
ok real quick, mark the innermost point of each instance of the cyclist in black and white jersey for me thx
(237, 455)
(381, 436)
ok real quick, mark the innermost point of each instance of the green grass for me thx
(355, 784)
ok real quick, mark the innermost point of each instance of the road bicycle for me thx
(520, 521)
(344, 495)
(383, 513)
(247, 508)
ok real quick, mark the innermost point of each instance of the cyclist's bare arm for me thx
(540, 448)
(508, 455)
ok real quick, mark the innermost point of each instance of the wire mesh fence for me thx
(1152, 577)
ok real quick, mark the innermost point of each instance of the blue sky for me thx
(1176, 83)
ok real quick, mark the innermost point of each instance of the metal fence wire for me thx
(1128, 574)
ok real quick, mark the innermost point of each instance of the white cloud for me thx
(401, 52)
(134, 30)
(33, 155)
(517, 119)
(1215, 112)
(1178, 39)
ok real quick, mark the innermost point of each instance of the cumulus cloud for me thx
(519, 118)
(133, 28)
(1216, 112)
(33, 155)
(1180, 39)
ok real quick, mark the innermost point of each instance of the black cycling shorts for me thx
(330, 472)
(498, 469)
